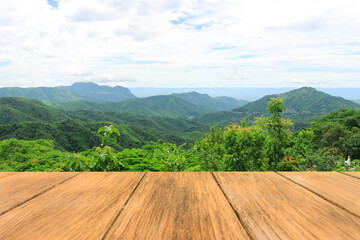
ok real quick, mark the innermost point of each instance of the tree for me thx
(278, 132)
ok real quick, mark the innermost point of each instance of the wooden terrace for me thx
(182, 205)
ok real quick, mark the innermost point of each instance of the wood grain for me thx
(18, 188)
(178, 206)
(354, 174)
(335, 187)
(273, 207)
(3, 174)
(81, 208)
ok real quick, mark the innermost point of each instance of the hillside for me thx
(302, 101)
(301, 105)
(16, 110)
(46, 94)
(30, 119)
(349, 118)
(217, 103)
(100, 93)
(157, 106)
(357, 101)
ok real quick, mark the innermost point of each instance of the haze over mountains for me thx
(248, 94)
(75, 92)
(304, 103)
(93, 97)
(175, 118)
(100, 93)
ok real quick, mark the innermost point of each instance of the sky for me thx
(180, 43)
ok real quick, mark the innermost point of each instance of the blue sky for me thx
(53, 3)
(180, 43)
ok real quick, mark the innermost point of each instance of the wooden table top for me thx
(182, 205)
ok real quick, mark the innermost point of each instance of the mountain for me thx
(157, 106)
(302, 101)
(30, 119)
(16, 110)
(217, 103)
(46, 94)
(233, 92)
(357, 101)
(301, 105)
(247, 93)
(100, 93)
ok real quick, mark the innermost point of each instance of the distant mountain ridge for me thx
(305, 100)
(46, 94)
(75, 92)
(217, 103)
(357, 101)
(156, 106)
(301, 105)
(101, 93)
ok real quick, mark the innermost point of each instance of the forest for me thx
(267, 143)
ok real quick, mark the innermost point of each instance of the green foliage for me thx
(245, 146)
(211, 150)
(267, 144)
(277, 131)
(354, 146)
(20, 155)
(348, 118)
(108, 134)
(158, 156)
(103, 159)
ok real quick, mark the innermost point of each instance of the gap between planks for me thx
(122, 208)
(349, 175)
(233, 208)
(36, 195)
(11, 173)
(319, 195)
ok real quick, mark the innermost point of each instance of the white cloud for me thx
(189, 43)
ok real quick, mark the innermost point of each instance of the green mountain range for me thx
(301, 105)
(357, 101)
(73, 126)
(75, 92)
(30, 119)
(92, 91)
(157, 106)
(16, 110)
(302, 101)
(217, 103)
(46, 94)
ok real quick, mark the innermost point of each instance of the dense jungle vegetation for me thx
(268, 143)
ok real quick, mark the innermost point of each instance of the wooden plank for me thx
(338, 188)
(273, 207)
(178, 206)
(4, 174)
(354, 174)
(20, 187)
(81, 208)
